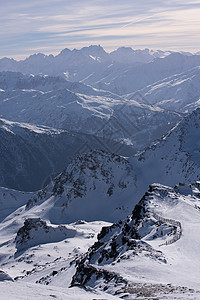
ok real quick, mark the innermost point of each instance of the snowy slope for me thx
(173, 158)
(95, 186)
(160, 235)
(179, 92)
(121, 260)
(37, 252)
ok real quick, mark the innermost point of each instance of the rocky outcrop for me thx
(36, 231)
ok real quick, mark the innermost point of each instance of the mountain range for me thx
(100, 175)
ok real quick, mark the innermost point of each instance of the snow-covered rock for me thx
(160, 235)
(95, 186)
(36, 232)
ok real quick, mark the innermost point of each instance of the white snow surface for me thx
(51, 264)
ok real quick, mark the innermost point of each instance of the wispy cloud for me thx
(50, 25)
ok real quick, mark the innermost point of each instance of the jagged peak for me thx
(65, 51)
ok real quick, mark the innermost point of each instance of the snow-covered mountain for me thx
(160, 235)
(119, 71)
(131, 78)
(173, 158)
(98, 179)
(95, 186)
(73, 233)
(70, 61)
(98, 187)
(103, 186)
(11, 200)
(129, 55)
(33, 155)
(55, 102)
(180, 92)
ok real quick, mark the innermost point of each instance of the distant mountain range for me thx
(122, 71)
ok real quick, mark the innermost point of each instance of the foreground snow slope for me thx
(157, 244)
(159, 235)
(17, 290)
(26, 291)
(34, 252)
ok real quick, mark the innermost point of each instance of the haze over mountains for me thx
(99, 174)
(122, 71)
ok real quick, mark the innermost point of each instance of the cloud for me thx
(26, 26)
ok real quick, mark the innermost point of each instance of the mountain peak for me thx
(65, 51)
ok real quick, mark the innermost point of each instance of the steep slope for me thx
(31, 155)
(159, 235)
(179, 92)
(95, 186)
(11, 200)
(173, 158)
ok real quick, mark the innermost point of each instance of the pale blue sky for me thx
(48, 26)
